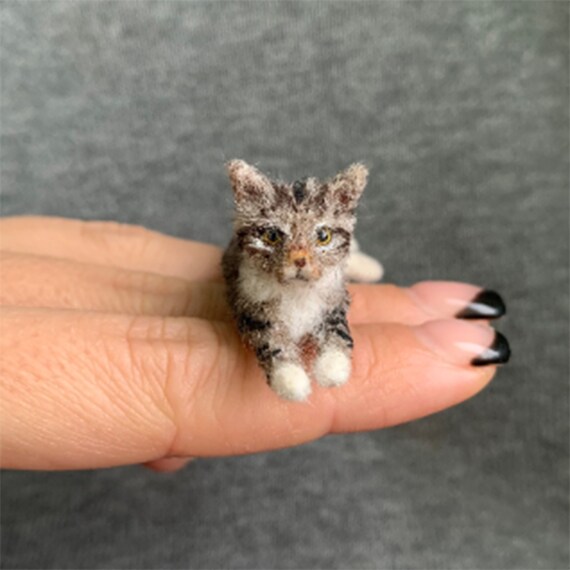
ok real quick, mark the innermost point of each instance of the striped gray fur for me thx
(284, 264)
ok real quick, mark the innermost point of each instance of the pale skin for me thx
(117, 348)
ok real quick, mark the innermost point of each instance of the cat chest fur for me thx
(300, 311)
(298, 306)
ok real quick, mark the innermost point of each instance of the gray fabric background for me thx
(127, 111)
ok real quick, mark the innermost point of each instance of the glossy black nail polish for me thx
(498, 353)
(486, 305)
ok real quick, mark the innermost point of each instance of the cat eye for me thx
(271, 236)
(324, 236)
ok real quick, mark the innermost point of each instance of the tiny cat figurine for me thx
(285, 274)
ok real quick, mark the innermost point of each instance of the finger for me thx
(110, 243)
(138, 249)
(59, 283)
(425, 301)
(36, 281)
(400, 373)
(168, 464)
(78, 390)
(83, 390)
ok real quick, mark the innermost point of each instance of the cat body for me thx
(285, 274)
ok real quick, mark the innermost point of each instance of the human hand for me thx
(117, 348)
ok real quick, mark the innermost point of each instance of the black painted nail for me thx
(498, 353)
(486, 305)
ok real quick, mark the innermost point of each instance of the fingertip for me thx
(398, 378)
(464, 343)
(456, 299)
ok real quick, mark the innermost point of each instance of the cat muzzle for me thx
(298, 257)
(299, 267)
(294, 273)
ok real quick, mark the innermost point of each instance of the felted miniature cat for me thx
(285, 274)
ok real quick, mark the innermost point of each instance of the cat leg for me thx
(290, 381)
(285, 373)
(277, 355)
(361, 267)
(333, 365)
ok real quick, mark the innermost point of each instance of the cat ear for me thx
(347, 186)
(251, 187)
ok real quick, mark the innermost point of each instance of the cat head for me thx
(297, 231)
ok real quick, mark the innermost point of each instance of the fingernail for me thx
(464, 343)
(463, 301)
(498, 353)
(485, 305)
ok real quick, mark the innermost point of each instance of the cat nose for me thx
(298, 257)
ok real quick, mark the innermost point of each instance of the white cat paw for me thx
(290, 381)
(332, 368)
(363, 268)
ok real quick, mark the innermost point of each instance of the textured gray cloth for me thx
(128, 110)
